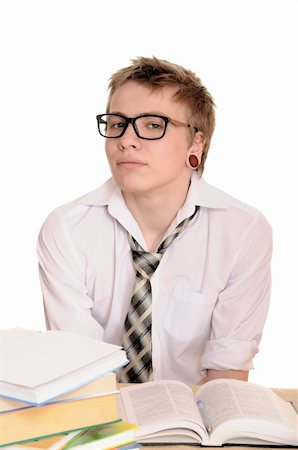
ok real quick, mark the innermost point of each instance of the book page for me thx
(159, 400)
(224, 400)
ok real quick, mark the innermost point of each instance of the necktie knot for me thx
(145, 263)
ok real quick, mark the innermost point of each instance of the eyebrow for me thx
(145, 113)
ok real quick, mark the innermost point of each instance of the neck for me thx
(155, 211)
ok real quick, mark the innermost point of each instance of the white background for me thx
(56, 59)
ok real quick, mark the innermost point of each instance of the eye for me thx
(154, 125)
(115, 124)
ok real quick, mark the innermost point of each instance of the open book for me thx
(220, 412)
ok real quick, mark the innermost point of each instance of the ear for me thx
(196, 148)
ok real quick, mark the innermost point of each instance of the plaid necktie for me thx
(137, 328)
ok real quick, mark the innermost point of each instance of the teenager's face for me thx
(144, 166)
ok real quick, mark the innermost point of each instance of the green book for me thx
(103, 437)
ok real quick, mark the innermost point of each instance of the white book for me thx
(104, 385)
(36, 367)
(220, 412)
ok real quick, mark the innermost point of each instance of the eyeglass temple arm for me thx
(182, 124)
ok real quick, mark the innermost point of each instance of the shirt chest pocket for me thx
(189, 314)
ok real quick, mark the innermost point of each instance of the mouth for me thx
(130, 163)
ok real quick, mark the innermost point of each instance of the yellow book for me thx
(54, 418)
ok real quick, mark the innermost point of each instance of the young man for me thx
(156, 259)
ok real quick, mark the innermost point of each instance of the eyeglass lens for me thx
(147, 127)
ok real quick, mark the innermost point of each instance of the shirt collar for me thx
(200, 193)
(109, 194)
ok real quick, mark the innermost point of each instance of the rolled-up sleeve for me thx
(241, 310)
(62, 276)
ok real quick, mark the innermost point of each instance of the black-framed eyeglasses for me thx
(146, 126)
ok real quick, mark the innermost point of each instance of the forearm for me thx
(216, 374)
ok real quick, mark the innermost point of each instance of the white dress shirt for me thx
(210, 292)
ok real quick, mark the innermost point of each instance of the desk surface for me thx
(286, 394)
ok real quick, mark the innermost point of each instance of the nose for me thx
(129, 138)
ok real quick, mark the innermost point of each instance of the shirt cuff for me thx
(229, 354)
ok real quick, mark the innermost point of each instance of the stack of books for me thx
(58, 390)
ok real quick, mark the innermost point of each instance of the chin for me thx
(131, 183)
(133, 188)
